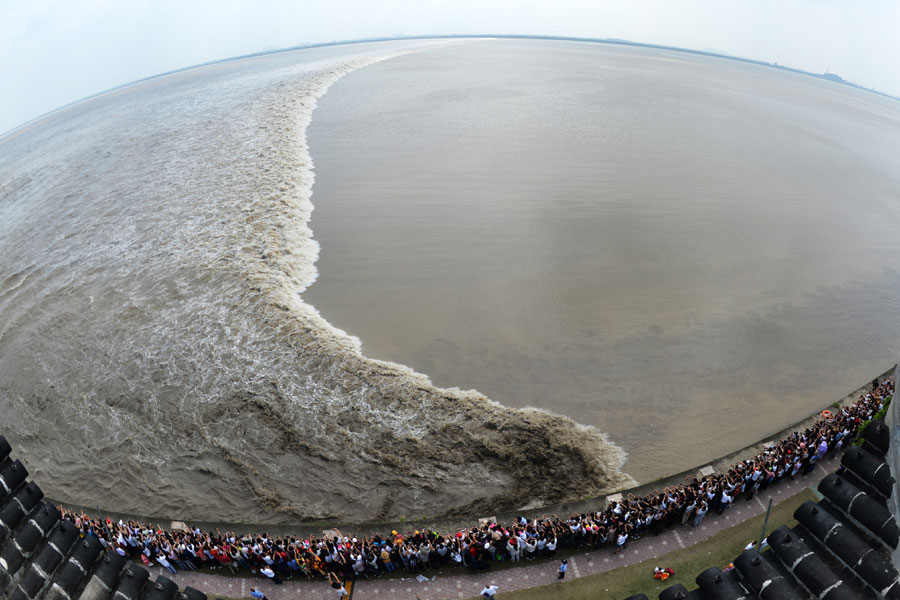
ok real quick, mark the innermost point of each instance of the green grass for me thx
(621, 583)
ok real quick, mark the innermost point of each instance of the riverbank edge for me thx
(445, 524)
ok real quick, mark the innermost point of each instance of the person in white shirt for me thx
(161, 559)
(725, 502)
(530, 548)
(489, 591)
(268, 572)
(621, 541)
(512, 546)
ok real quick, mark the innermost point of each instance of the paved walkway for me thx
(454, 583)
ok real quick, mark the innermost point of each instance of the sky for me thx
(53, 52)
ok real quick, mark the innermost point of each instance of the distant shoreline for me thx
(513, 36)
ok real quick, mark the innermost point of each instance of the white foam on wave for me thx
(156, 243)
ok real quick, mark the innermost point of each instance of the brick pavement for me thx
(454, 583)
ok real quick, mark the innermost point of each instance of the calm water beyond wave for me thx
(686, 252)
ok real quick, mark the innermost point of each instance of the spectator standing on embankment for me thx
(257, 595)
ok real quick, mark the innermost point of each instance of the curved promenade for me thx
(40, 536)
(772, 471)
(455, 583)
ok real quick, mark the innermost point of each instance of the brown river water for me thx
(662, 254)
(685, 252)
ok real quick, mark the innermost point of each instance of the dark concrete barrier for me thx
(132, 582)
(104, 579)
(679, 592)
(5, 449)
(12, 475)
(763, 578)
(75, 570)
(162, 589)
(190, 593)
(870, 468)
(716, 586)
(26, 542)
(873, 515)
(13, 513)
(50, 556)
(808, 567)
(870, 565)
(878, 435)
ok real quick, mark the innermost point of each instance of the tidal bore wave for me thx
(156, 355)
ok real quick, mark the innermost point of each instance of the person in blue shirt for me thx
(257, 595)
(563, 567)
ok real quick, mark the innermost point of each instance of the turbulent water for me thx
(156, 355)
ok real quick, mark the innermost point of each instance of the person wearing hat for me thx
(563, 567)
(386, 559)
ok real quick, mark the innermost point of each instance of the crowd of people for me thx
(341, 556)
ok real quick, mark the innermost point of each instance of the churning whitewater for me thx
(156, 355)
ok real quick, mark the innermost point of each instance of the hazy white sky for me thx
(53, 52)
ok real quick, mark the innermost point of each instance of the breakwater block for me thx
(5, 449)
(870, 468)
(869, 512)
(12, 474)
(878, 436)
(190, 593)
(75, 570)
(105, 577)
(679, 592)
(162, 589)
(868, 563)
(39, 574)
(132, 582)
(716, 586)
(26, 541)
(14, 511)
(763, 577)
(808, 567)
